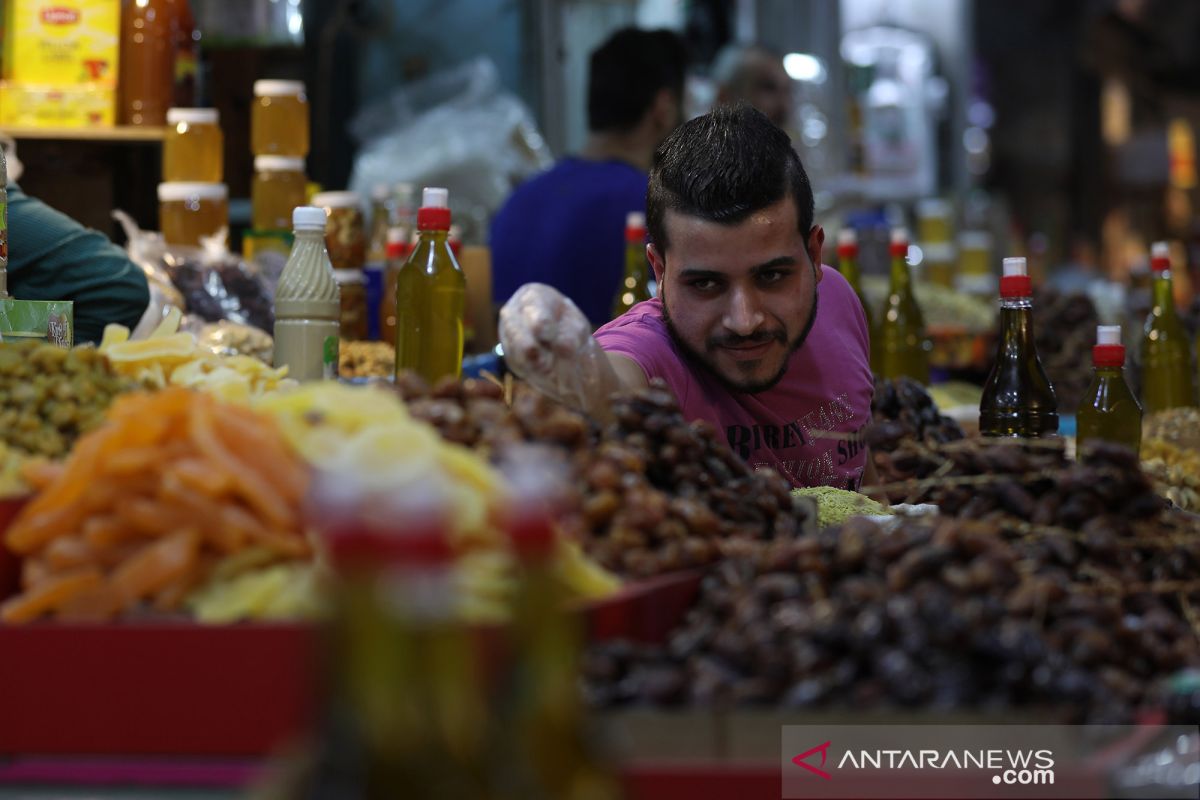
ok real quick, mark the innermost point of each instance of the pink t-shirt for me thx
(827, 387)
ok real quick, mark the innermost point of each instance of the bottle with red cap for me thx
(635, 282)
(1109, 411)
(398, 248)
(431, 297)
(901, 347)
(847, 253)
(555, 751)
(1166, 353)
(406, 710)
(1018, 399)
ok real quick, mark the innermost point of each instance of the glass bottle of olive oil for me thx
(1166, 354)
(1109, 411)
(901, 347)
(404, 679)
(635, 283)
(431, 293)
(555, 753)
(1018, 399)
(847, 253)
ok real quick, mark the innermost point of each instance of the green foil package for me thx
(37, 320)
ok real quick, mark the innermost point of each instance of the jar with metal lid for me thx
(345, 235)
(193, 149)
(187, 211)
(279, 119)
(278, 188)
(353, 285)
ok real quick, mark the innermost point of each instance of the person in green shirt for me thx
(53, 257)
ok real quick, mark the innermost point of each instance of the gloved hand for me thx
(548, 341)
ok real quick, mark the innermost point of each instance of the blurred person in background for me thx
(736, 332)
(753, 74)
(53, 257)
(566, 226)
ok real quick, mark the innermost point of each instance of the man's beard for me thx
(746, 388)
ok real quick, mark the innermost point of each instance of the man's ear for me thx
(814, 245)
(666, 110)
(657, 263)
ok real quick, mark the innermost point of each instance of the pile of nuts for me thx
(655, 493)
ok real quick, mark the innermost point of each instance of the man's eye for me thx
(704, 285)
(772, 276)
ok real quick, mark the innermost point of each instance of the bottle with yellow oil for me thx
(901, 347)
(847, 255)
(1109, 411)
(635, 283)
(431, 293)
(1166, 353)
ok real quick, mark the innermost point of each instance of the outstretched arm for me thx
(547, 341)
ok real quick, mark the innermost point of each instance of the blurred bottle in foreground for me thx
(406, 714)
(540, 706)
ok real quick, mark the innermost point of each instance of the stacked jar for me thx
(279, 141)
(192, 200)
(346, 241)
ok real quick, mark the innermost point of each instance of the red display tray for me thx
(178, 688)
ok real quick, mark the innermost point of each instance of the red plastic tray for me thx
(178, 688)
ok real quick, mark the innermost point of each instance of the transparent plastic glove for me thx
(548, 341)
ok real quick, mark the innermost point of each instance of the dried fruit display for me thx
(1064, 329)
(49, 397)
(939, 613)
(902, 411)
(655, 493)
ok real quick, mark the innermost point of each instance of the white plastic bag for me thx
(457, 128)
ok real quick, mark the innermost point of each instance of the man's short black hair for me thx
(723, 166)
(628, 71)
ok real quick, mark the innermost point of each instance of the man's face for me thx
(740, 299)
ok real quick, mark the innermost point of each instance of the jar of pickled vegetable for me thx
(278, 188)
(187, 211)
(193, 149)
(279, 119)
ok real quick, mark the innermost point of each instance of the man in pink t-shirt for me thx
(749, 330)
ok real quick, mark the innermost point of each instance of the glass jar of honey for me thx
(352, 283)
(187, 211)
(278, 188)
(346, 234)
(193, 149)
(279, 119)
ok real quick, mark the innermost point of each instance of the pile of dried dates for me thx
(938, 614)
(655, 493)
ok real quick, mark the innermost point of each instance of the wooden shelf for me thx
(119, 133)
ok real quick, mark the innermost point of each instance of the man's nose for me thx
(743, 315)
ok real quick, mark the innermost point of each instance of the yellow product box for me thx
(61, 42)
(86, 106)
